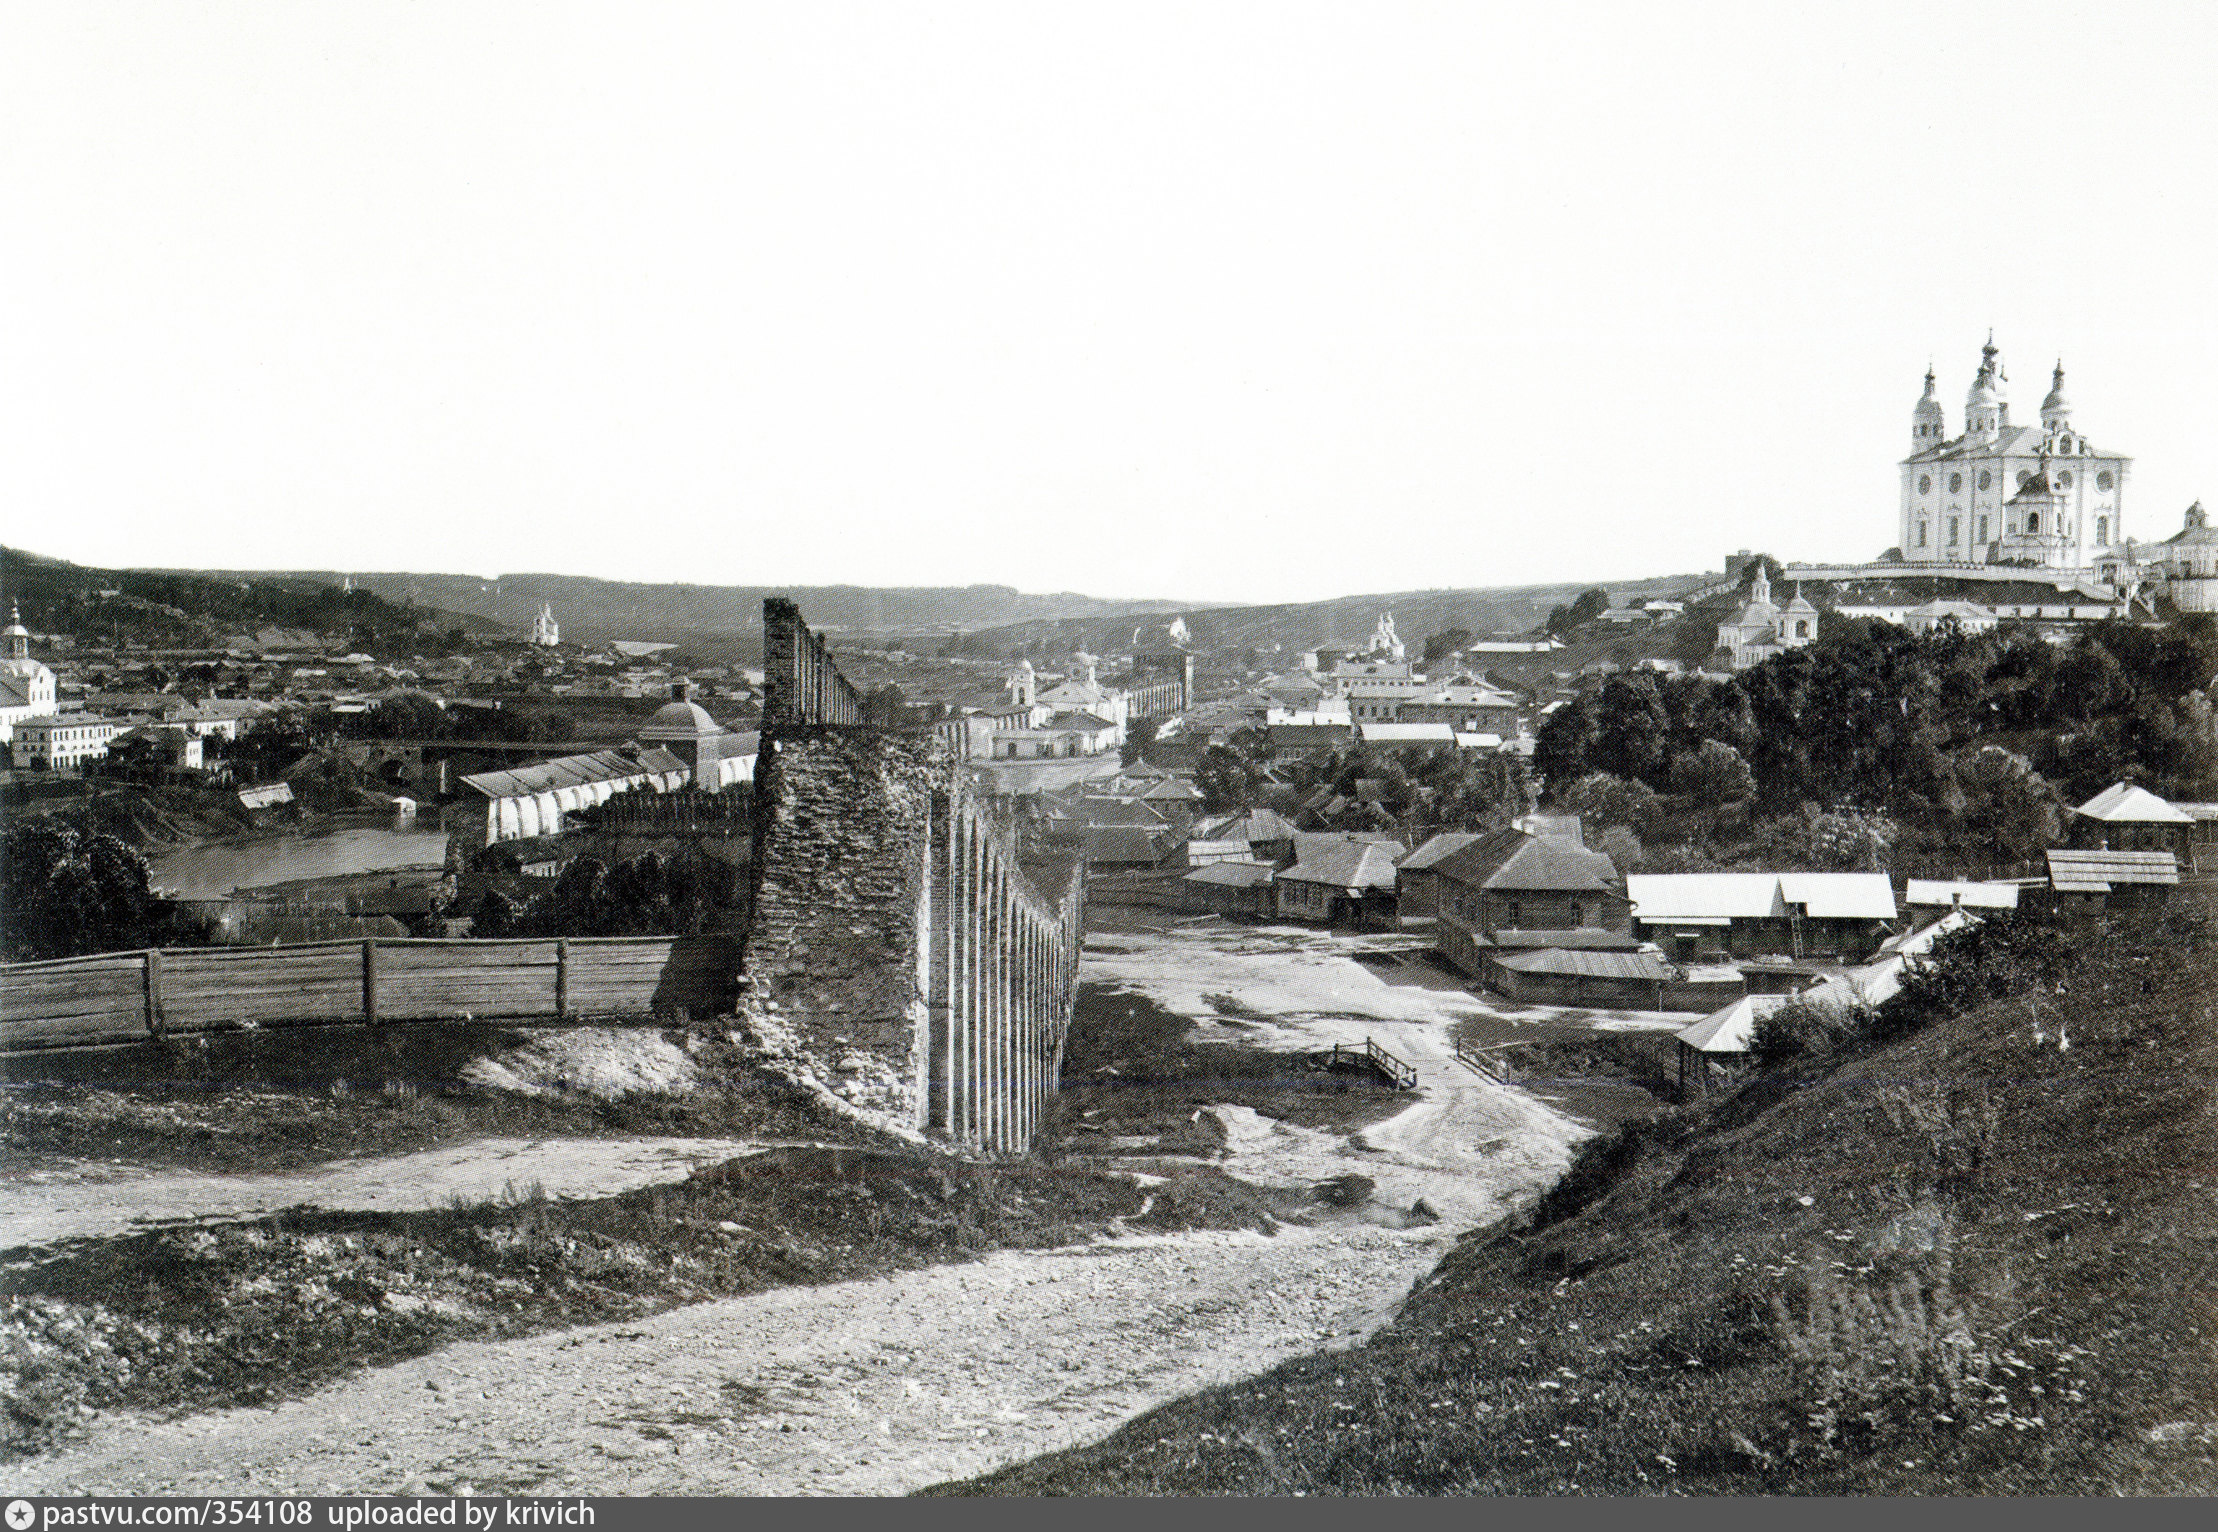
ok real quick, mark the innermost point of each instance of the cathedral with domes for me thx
(2007, 494)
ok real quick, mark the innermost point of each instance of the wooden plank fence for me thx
(121, 997)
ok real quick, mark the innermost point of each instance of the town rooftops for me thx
(1570, 939)
(1718, 898)
(2094, 872)
(2123, 803)
(1407, 733)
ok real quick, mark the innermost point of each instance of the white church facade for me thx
(2001, 493)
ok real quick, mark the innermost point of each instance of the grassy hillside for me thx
(151, 609)
(1978, 1261)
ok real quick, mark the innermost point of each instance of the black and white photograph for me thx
(757, 749)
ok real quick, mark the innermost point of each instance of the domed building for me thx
(715, 756)
(26, 686)
(1963, 498)
(1762, 630)
(2188, 563)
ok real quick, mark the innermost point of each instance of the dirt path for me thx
(101, 1197)
(886, 1385)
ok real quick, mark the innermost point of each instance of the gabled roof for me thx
(1122, 843)
(2123, 803)
(1348, 864)
(2093, 872)
(1714, 897)
(1512, 861)
(1232, 874)
(1732, 1029)
(1439, 846)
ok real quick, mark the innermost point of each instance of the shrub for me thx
(1808, 1029)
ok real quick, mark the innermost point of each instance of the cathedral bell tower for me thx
(1928, 422)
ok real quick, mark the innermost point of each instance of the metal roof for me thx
(2093, 872)
(1589, 965)
(1439, 846)
(1683, 897)
(1730, 1030)
(2123, 803)
(1971, 896)
(573, 771)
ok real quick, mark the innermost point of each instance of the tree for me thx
(1713, 776)
(1601, 800)
(1447, 643)
(1138, 735)
(65, 890)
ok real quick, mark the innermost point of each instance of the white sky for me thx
(1265, 301)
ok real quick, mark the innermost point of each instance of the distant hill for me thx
(1343, 622)
(593, 611)
(186, 609)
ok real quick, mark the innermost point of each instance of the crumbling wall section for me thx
(842, 912)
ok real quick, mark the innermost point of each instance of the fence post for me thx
(562, 978)
(369, 980)
(153, 958)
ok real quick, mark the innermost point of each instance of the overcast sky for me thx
(1265, 301)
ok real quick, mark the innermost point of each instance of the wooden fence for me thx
(120, 997)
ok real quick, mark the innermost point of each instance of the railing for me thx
(1481, 1063)
(1390, 1069)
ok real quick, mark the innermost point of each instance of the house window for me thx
(2103, 480)
(1986, 479)
(1955, 530)
(1955, 483)
(1982, 529)
(1925, 483)
(2102, 529)
(1921, 534)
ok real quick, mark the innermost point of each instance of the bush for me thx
(1808, 1029)
(2005, 954)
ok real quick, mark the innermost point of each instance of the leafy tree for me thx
(1138, 735)
(1714, 775)
(69, 890)
(1601, 800)
(1230, 776)
(1448, 642)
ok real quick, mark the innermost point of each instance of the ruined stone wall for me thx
(801, 685)
(841, 904)
(898, 956)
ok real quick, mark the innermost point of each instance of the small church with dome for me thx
(1761, 629)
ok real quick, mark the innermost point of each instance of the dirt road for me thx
(886, 1385)
(89, 1198)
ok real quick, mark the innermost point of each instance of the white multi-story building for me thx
(2003, 493)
